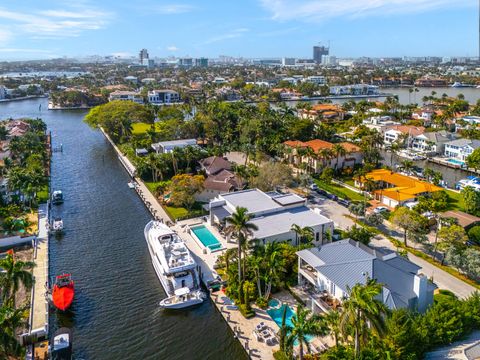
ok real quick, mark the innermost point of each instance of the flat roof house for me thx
(331, 269)
(461, 149)
(273, 213)
(166, 147)
(126, 96)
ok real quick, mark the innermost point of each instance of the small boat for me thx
(132, 185)
(57, 226)
(62, 345)
(63, 292)
(183, 298)
(57, 197)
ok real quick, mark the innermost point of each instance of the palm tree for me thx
(325, 154)
(297, 229)
(285, 345)
(407, 166)
(332, 319)
(304, 325)
(310, 154)
(338, 150)
(362, 311)
(15, 273)
(10, 320)
(240, 225)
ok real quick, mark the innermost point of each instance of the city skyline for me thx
(252, 29)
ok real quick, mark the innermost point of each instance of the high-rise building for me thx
(143, 57)
(319, 52)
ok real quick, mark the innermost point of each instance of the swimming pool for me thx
(277, 313)
(206, 237)
(456, 162)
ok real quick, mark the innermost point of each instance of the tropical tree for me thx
(332, 320)
(338, 151)
(304, 325)
(302, 234)
(239, 224)
(10, 320)
(362, 312)
(15, 273)
(453, 236)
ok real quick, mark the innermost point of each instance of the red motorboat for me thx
(63, 292)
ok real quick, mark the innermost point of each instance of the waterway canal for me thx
(115, 314)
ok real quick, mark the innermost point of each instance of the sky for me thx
(32, 29)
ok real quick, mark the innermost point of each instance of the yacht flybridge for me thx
(175, 267)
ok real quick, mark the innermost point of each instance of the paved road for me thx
(444, 280)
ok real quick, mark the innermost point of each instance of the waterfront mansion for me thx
(273, 214)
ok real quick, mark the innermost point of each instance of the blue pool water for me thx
(274, 303)
(206, 237)
(277, 314)
(456, 162)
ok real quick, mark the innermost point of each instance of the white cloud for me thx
(19, 50)
(5, 36)
(172, 48)
(317, 10)
(55, 23)
(173, 8)
(236, 33)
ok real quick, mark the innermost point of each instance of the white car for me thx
(313, 187)
(380, 209)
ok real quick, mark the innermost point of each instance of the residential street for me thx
(444, 280)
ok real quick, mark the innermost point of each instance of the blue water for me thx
(277, 314)
(456, 162)
(274, 303)
(206, 237)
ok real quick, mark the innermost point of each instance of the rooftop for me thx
(317, 145)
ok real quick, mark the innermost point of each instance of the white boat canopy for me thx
(182, 291)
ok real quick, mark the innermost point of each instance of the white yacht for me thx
(57, 226)
(183, 297)
(175, 267)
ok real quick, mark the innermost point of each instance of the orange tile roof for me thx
(408, 129)
(317, 145)
(405, 187)
(326, 107)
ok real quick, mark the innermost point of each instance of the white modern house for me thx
(460, 149)
(126, 96)
(273, 214)
(3, 92)
(397, 133)
(432, 142)
(166, 147)
(163, 97)
(330, 270)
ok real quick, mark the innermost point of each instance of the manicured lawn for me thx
(177, 213)
(340, 191)
(455, 201)
(141, 128)
(42, 196)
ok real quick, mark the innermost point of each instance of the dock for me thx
(38, 320)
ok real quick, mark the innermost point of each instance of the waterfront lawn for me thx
(180, 213)
(142, 128)
(340, 191)
(455, 201)
(42, 195)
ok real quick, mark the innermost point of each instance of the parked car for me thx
(313, 187)
(321, 192)
(344, 202)
(380, 210)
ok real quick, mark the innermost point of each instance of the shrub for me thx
(246, 311)
(262, 303)
(474, 234)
